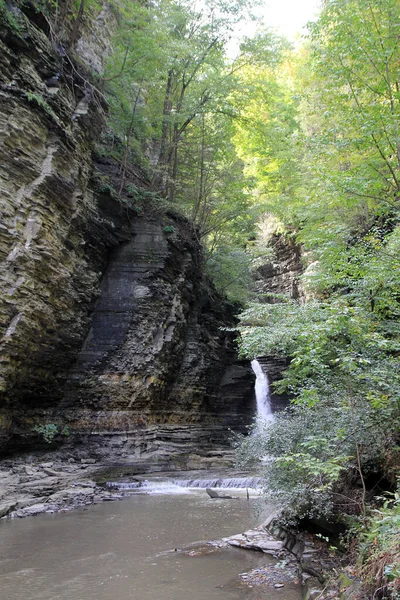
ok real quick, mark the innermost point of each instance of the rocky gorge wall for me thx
(53, 237)
(157, 374)
(280, 274)
(107, 325)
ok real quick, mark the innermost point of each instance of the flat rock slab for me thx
(70, 493)
(255, 540)
(46, 482)
(35, 509)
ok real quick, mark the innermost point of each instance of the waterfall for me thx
(264, 412)
(165, 486)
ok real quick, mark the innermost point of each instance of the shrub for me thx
(380, 549)
(49, 430)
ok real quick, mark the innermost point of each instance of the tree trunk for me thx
(128, 139)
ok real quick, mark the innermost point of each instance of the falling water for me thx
(264, 412)
(160, 485)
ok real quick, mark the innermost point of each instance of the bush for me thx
(49, 431)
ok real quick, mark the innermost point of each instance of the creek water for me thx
(134, 549)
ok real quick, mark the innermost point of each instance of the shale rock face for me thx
(155, 352)
(53, 237)
(148, 380)
(151, 350)
(281, 274)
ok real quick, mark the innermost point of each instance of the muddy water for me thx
(133, 549)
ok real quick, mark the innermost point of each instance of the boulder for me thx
(256, 540)
(6, 507)
(214, 494)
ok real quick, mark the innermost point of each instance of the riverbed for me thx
(145, 547)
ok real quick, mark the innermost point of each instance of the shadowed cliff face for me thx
(157, 380)
(156, 351)
(151, 349)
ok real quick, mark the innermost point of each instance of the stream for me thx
(143, 547)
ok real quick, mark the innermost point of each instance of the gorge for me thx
(188, 238)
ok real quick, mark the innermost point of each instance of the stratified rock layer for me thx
(148, 327)
(157, 353)
(53, 235)
(280, 274)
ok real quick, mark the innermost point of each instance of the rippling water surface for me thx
(133, 549)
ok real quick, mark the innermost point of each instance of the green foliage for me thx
(50, 430)
(168, 229)
(173, 98)
(323, 151)
(344, 380)
(40, 101)
(106, 188)
(9, 17)
(230, 270)
(379, 548)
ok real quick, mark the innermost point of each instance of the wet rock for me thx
(5, 474)
(273, 574)
(34, 478)
(256, 540)
(69, 494)
(30, 470)
(6, 508)
(24, 502)
(215, 494)
(37, 485)
(85, 484)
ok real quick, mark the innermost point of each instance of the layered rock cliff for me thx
(150, 351)
(53, 236)
(281, 273)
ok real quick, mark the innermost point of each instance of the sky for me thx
(289, 16)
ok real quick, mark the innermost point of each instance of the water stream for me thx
(133, 550)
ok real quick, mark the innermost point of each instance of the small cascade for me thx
(162, 486)
(231, 482)
(264, 412)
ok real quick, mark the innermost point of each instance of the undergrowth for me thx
(379, 547)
